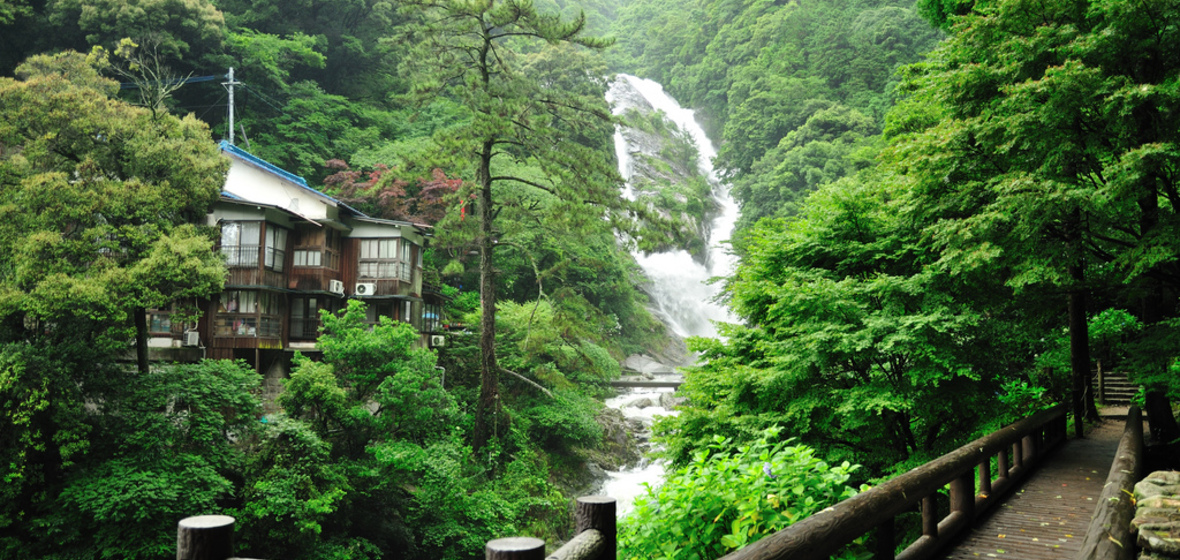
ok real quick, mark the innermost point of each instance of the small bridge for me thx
(644, 382)
(1024, 492)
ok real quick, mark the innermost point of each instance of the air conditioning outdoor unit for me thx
(437, 340)
(365, 289)
(336, 287)
(192, 338)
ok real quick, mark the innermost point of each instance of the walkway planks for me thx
(1048, 517)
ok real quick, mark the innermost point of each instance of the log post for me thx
(883, 548)
(963, 495)
(985, 477)
(598, 512)
(515, 548)
(1018, 455)
(1101, 385)
(1002, 464)
(205, 537)
(930, 516)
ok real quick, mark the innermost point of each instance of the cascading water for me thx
(679, 290)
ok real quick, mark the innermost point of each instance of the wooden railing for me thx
(594, 522)
(1017, 448)
(1110, 536)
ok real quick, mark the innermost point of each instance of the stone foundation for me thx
(1157, 516)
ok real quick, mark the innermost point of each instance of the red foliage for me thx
(423, 200)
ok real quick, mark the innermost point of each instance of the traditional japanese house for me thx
(292, 251)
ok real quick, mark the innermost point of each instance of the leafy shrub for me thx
(724, 500)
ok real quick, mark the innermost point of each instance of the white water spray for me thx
(680, 293)
(679, 290)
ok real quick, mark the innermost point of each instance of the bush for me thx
(724, 500)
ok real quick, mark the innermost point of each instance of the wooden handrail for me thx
(597, 536)
(1110, 536)
(819, 536)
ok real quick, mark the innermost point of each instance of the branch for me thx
(540, 288)
(549, 190)
(529, 381)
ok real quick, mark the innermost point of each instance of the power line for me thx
(189, 80)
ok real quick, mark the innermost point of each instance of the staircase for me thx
(1116, 390)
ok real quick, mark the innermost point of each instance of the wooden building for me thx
(292, 251)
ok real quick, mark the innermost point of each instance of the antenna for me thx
(229, 85)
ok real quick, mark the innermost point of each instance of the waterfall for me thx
(679, 290)
(680, 293)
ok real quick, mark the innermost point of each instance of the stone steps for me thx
(1117, 389)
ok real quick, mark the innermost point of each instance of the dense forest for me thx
(950, 210)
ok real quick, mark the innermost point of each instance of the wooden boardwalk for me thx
(1048, 516)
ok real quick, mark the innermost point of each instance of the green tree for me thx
(100, 200)
(854, 340)
(476, 54)
(1034, 148)
(173, 456)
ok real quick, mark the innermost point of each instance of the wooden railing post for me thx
(930, 516)
(1002, 464)
(883, 549)
(1101, 384)
(598, 512)
(515, 548)
(1018, 455)
(205, 537)
(963, 495)
(985, 477)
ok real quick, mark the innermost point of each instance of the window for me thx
(431, 317)
(305, 318)
(317, 247)
(385, 258)
(239, 243)
(304, 257)
(276, 247)
(249, 313)
(160, 322)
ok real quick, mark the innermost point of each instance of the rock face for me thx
(1157, 515)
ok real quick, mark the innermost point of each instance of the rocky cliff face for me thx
(665, 175)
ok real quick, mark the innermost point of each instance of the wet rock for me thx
(670, 400)
(639, 403)
(1157, 515)
(1161, 538)
(1159, 483)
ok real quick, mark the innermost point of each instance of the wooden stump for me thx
(205, 537)
(598, 512)
(515, 548)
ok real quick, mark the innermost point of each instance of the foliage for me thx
(176, 430)
(729, 496)
(855, 343)
(1033, 148)
(423, 201)
(760, 70)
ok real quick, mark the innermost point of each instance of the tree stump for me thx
(515, 548)
(205, 537)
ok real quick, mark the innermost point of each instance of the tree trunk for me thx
(1157, 406)
(141, 340)
(1079, 352)
(487, 410)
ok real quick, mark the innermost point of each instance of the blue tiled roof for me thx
(281, 173)
(265, 165)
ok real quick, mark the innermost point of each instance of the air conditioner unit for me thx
(336, 287)
(192, 338)
(365, 289)
(437, 340)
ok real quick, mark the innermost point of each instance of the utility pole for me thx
(229, 85)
